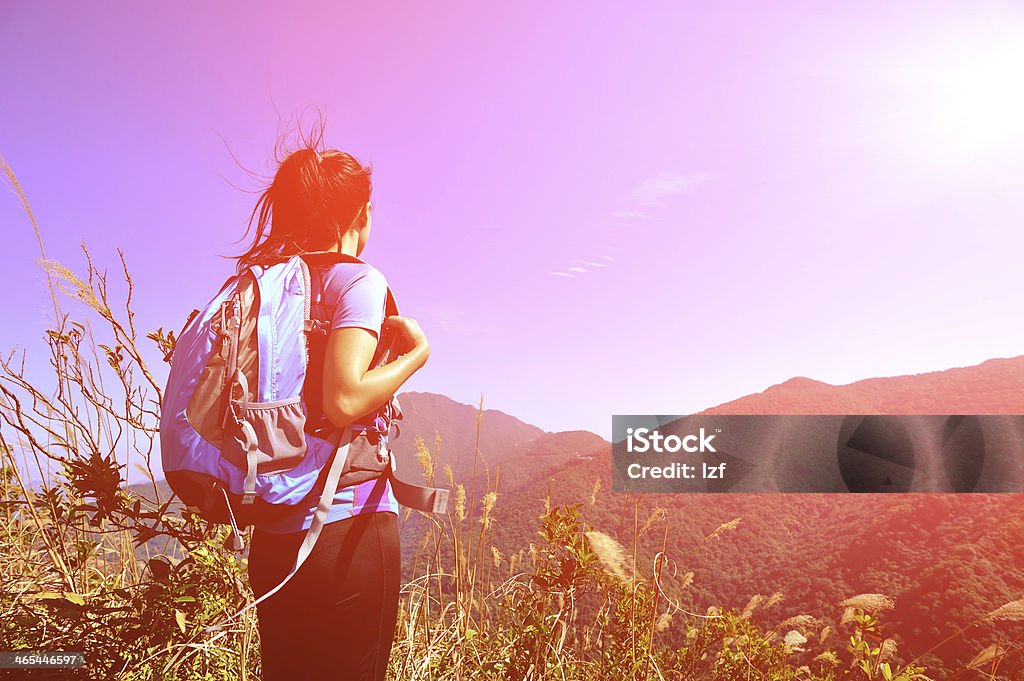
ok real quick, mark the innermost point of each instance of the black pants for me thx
(336, 618)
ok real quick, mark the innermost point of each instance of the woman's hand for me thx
(408, 337)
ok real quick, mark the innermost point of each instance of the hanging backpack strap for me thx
(231, 329)
(315, 526)
(307, 290)
(250, 444)
(419, 497)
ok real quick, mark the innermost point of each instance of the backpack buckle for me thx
(317, 326)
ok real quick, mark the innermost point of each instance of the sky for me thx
(590, 208)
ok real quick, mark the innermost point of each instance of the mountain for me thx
(510, 449)
(428, 415)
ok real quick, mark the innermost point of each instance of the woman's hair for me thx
(315, 197)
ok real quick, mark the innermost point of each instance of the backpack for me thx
(242, 429)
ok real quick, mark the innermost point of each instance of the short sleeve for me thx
(361, 303)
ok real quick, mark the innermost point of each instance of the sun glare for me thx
(974, 100)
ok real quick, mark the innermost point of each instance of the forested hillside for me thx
(945, 559)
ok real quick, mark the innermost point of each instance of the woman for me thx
(336, 618)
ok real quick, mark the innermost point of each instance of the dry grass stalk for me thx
(610, 553)
(869, 602)
(723, 528)
(460, 502)
(828, 656)
(986, 655)
(657, 514)
(887, 650)
(1010, 612)
(794, 641)
(799, 622)
(751, 606)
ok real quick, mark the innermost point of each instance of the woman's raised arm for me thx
(351, 388)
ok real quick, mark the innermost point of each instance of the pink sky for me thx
(590, 209)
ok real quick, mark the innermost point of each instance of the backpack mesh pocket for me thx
(280, 440)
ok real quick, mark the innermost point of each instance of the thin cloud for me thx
(632, 214)
(650, 196)
(653, 191)
(581, 267)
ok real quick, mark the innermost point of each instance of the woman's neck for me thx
(349, 244)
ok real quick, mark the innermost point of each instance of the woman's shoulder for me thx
(341, 277)
(359, 271)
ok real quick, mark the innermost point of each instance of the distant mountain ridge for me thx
(426, 415)
(995, 386)
(510, 448)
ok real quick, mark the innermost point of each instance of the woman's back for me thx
(333, 615)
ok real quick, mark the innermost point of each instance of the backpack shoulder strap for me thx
(390, 305)
(307, 293)
(319, 257)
